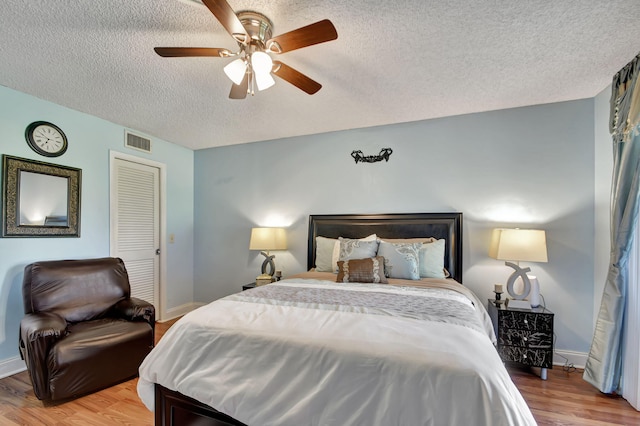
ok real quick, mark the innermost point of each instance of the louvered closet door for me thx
(136, 225)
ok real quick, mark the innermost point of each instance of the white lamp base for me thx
(534, 296)
(518, 304)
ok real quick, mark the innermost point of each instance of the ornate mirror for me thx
(40, 199)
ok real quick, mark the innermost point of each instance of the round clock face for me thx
(46, 139)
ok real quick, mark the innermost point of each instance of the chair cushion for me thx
(96, 354)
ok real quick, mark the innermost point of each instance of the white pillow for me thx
(325, 249)
(431, 259)
(328, 251)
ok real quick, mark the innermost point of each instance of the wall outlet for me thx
(172, 238)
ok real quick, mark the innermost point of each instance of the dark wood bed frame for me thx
(175, 409)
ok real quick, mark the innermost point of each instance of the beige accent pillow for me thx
(370, 270)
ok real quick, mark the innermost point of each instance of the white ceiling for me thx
(393, 62)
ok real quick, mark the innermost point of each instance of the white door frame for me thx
(161, 291)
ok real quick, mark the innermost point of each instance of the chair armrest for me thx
(38, 333)
(134, 309)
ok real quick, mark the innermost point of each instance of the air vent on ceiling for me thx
(131, 140)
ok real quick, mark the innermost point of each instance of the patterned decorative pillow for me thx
(400, 259)
(369, 270)
(328, 251)
(432, 260)
(357, 249)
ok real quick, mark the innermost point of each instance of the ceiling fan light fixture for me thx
(235, 70)
(261, 63)
(264, 81)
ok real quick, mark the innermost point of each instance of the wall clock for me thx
(46, 139)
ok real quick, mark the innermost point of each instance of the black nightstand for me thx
(524, 336)
(249, 286)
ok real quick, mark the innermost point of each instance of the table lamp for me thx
(266, 239)
(516, 245)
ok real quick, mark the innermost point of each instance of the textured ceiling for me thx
(393, 61)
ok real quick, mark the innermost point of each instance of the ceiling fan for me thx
(254, 66)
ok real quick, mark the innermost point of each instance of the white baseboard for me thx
(578, 359)
(181, 310)
(11, 366)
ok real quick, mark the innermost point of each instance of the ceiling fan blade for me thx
(175, 52)
(239, 91)
(228, 18)
(296, 78)
(319, 32)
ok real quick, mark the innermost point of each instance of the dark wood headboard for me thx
(397, 225)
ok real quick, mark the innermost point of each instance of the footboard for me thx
(174, 409)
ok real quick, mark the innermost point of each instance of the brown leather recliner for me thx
(82, 331)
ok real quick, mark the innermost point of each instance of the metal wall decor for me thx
(384, 154)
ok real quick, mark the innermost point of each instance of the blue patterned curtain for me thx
(603, 368)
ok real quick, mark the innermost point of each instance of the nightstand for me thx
(249, 286)
(524, 336)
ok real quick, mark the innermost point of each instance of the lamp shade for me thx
(235, 70)
(268, 239)
(264, 81)
(262, 64)
(528, 245)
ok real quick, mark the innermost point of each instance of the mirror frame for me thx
(12, 166)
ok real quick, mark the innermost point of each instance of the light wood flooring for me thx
(564, 399)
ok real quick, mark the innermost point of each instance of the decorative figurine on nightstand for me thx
(498, 291)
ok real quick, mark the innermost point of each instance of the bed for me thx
(312, 351)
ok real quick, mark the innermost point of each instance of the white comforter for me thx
(282, 360)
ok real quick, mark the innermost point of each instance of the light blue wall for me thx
(527, 167)
(90, 140)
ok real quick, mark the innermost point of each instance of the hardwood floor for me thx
(564, 399)
(117, 405)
